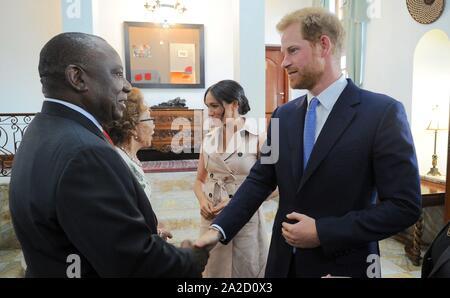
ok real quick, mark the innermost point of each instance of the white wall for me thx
(275, 11)
(25, 26)
(250, 64)
(216, 15)
(391, 43)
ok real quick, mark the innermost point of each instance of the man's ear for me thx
(326, 46)
(75, 77)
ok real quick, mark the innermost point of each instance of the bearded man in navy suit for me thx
(347, 170)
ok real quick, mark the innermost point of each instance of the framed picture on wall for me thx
(159, 57)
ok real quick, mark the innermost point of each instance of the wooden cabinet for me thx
(177, 130)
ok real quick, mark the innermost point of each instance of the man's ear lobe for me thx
(75, 77)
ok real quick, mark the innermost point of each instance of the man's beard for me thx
(308, 78)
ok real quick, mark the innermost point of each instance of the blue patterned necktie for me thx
(309, 134)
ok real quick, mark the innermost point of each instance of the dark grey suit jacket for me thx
(71, 193)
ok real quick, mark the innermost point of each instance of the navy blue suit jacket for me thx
(365, 151)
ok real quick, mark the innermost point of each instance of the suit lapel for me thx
(295, 139)
(444, 258)
(339, 119)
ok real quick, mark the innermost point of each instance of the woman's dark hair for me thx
(122, 130)
(229, 91)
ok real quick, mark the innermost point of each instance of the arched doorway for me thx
(430, 102)
(431, 89)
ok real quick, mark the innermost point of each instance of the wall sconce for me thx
(436, 124)
(165, 9)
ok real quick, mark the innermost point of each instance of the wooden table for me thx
(433, 194)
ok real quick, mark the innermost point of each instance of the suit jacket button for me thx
(240, 154)
(230, 196)
(210, 195)
(212, 175)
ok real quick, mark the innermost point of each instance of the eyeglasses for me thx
(147, 119)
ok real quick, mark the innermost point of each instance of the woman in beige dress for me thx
(132, 133)
(229, 151)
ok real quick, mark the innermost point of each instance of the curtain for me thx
(355, 24)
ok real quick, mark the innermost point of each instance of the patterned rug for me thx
(170, 166)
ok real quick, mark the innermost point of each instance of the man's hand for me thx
(186, 244)
(200, 255)
(208, 240)
(302, 234)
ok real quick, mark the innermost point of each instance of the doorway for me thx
(277, 85)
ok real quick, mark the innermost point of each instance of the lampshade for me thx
(437, 122)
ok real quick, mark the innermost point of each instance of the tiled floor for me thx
(11, 264)
(394, 263)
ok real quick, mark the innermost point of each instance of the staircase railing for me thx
(12, 128)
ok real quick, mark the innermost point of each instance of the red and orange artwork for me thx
(182, 63)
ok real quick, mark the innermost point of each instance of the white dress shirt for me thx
(327, 100)
(77, 109)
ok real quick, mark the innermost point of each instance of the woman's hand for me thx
(164, 234)
(206, 209)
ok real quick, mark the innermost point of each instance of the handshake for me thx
(200, 249)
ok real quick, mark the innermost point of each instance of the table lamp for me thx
(436, 124)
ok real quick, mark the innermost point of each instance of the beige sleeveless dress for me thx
(246, 255)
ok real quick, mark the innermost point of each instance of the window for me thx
(337, 7)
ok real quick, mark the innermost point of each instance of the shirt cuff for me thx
(219, 229)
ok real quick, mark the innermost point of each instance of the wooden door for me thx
(277, 85)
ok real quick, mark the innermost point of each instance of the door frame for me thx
(287, 93)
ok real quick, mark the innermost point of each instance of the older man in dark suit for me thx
(340, 147)
(72, 198)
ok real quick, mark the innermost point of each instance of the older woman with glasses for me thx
(132, 133)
